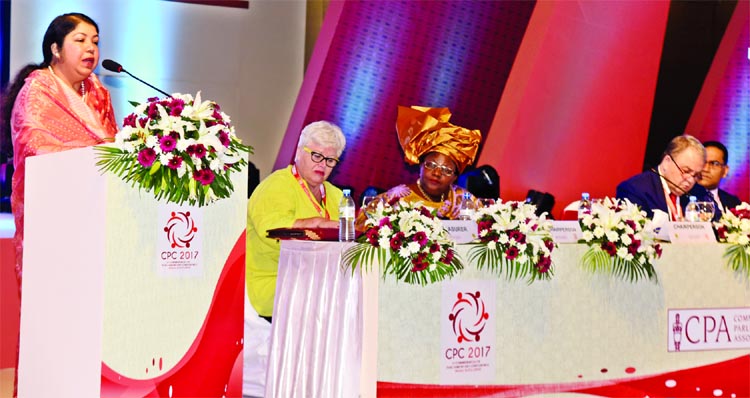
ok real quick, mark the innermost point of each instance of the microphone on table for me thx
(113, 66)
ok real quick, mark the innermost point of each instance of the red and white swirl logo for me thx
(468, 316)
(180, 229)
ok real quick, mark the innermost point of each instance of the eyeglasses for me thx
(715, 163)
(445, 170)
(318, 157)
(695, 175)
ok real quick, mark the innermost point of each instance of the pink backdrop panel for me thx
(575, 113)
(722, 111)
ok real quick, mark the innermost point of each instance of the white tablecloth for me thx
(316, 338)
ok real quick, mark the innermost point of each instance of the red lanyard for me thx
(675, 213)
(321, 210)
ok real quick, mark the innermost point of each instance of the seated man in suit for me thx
(715, 170)
(661, 188)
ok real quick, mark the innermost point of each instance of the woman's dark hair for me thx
(56, 32)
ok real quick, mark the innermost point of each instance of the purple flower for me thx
(420, 237)
(385, 221)
(146, 157)
(434, 248)
(152, 111)
(167, 143)
(176, 107)
(197, 150)
(448, 257)
(205, 176)
(130, 120)
(152, 99)
(224, 138)
(217, 115)
(143, 121)
(175, 162)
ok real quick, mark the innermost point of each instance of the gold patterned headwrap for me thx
(422, 130)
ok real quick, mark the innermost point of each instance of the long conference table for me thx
(338, 333)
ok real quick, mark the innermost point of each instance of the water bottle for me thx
(346, 217)
(468, 207)
(584, 207)
(692, 212)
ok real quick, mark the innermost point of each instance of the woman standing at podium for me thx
(56, 105)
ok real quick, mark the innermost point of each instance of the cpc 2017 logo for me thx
(469, 317)
(180, 229)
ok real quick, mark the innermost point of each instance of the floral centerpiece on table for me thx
(734, 228)
(621, 240)
(513, 241)
(180, 148)
(409, 240)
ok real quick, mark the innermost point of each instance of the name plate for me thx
(566, 231)
(461, 231)
(691, 232)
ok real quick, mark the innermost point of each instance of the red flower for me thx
(511, 253)
(544, 264)
(397, 240)
(175, 162)
(419, 262)
(420, 237)
(610, 248)
(372, 236)
(448, 257)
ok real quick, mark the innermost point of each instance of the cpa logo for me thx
(469, 317)
(180, 229)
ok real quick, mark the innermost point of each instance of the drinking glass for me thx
(706, 211)
(370, 205)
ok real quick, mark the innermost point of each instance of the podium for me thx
(126, 296)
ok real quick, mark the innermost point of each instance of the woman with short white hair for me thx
(298, 196)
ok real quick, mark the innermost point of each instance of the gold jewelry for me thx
(419, 185)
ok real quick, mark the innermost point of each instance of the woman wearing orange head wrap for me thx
(442, 151)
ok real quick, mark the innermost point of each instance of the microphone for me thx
(653, 170)
(113, 66)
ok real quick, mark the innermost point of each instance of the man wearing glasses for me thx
(662, 188)
(715, 170)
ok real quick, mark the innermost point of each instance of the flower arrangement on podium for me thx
(180, 148)
(621, 240)
(513, 241)
(734, 228)
(410, 242)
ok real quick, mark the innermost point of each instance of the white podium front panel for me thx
(145, 292)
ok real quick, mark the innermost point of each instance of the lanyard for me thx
(321, 210)
(675, 211)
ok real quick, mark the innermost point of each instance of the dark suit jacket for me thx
(646, 191)
(728, 200)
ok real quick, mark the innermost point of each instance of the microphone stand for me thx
(136, 78)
